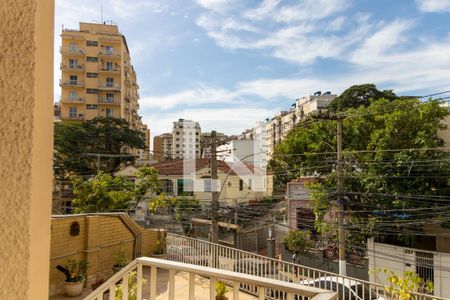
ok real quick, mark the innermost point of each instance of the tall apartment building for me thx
(258, 134)
(97, 79)
(162, 147)
(186, 139)
(283, 122)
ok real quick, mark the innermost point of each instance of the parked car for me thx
(187, 254)
(347, 289)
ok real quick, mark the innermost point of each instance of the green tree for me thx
(106, 193)
(298, 241)
(358, 95)
(74, 141)
(380, 169)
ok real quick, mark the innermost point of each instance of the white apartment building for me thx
(237, 150)
(258, 135)
(186, 139)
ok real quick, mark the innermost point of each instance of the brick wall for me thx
(100, 238)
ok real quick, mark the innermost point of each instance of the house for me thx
(238, 182)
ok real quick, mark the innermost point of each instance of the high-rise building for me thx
(186, 139)
(97, 79)
(162, 147)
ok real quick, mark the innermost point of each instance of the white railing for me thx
(203, 253)
(136, 285)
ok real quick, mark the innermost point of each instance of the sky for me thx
(230, 63)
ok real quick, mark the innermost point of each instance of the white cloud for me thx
(219, 6)
(336, 24)
(433, 6)
(310, 10)
(263, 11)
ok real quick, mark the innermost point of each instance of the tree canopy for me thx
(392, 156)
(106, 193)
(75, 144)
(358, 95)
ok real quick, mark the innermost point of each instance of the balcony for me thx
(72, 68)
(73, 117)
(112, 70)
(114, 54)
(72, 101)
(109, 86)
(71, 83)
(72, 51)
(108, 101)
(191, 280)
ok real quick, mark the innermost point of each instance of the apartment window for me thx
(92, 75)
(110, 97)
(72, 112)
(73, 95)
(109, 66)
(73, 47)
(241, 184)
(91, 59)
(91, 106)
(109, 50)
(109, 82)
(73, 79)
(92, 43)
(73, 63)
(91, 91)
(109, 112)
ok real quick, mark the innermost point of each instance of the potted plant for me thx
(221, 290)
(160, 250)
(121, 260)
(75, 272)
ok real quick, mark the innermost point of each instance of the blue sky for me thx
(230, 63)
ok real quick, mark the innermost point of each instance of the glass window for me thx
(73, 79)
(109, 66)
(91, 91)
(91, 59)
(73, 95)
(92, 43)
(91, 106)
(109, 49)
(109, 82)
(73, 47)
(109, 112)
(110, 97)
(72, 112)
(92, 75)
(241, 184)
(73, 63)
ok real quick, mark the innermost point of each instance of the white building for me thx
(186, 139)
(258, 135)
(237, 150)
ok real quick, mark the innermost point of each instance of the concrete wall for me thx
(26, 131)
(101, 237)
(400, 259)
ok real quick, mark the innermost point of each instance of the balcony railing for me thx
(71, 67)
(108, 101)
(109, 54)
(73, 117)
(73, 83)
(137, 268)
(76, 100)
(72, 51)
(203, 253)
(109, 86)
(115, 69)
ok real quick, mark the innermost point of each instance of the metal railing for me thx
(72, 67)
(108, 53)
(72, 51)
(109, 86)
(71, 83)
(108, 101)
(130, 280)
(72, 100)
(203, 253)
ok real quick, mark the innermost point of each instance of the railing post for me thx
(236, 286)
(139, 282)
(191, 286)
(124, 286)
(212, 288)
(171, 284)
(153, 274)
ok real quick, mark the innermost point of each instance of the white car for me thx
(347, 289)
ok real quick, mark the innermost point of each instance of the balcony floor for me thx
(181, 288)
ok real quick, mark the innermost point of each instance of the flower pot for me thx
(161, 256)
(73, 289)
(221, 297)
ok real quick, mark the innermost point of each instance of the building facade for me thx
(97, 78)
(186, 139)
(162, 147)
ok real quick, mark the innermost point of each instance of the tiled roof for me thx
(175, 167)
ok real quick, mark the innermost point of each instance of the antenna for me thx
(101, 13)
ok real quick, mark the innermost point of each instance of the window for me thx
(166, 186)
(73, 47)
(92, 75)
(73, 95)
(109, 50)
(110, 97)
(91, 59)
(91, 91)
(249, 184)
(109, 82)
(241, 184)
(185, 187)
(109, 112)
(73, 63)
(92, 43)
(109, 66)
(72, 112)
(91, 106)
(73, 79)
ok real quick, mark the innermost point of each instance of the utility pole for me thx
(214, 192)
(340, 183)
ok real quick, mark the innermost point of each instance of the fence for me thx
(202, 253)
